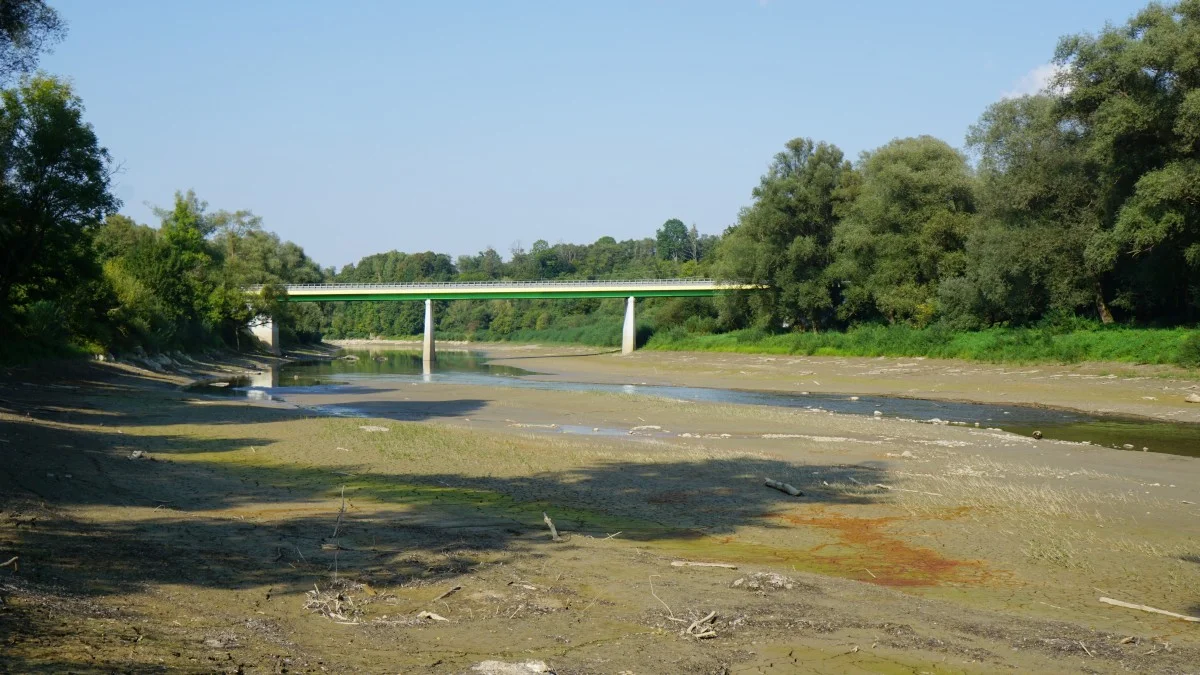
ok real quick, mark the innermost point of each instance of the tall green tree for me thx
(54, 191)
(27, 29)
(1038, 211)
(783, 240)
(672, 241)
(904, 231)
(1132, 92)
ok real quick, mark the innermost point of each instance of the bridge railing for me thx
(573, 283)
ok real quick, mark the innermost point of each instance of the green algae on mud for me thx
(859, 547)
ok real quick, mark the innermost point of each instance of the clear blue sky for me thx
(359, 127)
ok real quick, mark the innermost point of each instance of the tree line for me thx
(1074, 205)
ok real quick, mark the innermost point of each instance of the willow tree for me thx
(904, 231)
(1133, 94)
(782, 241)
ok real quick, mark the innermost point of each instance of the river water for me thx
(470, 368)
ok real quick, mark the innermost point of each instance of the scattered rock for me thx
(877, 413)
(907, 454)
(1036, 434)
(227, 641)
(502, 668)
(372, 428)
(1192, 398)
(853, 398)
(1128, 446)
(137, 454)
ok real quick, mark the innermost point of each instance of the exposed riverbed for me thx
(162, 528)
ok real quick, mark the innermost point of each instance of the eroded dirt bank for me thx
(226, 543)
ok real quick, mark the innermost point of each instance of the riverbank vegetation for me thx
(1066, 229)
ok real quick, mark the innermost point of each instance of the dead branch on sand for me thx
(553, 530)
(701, 629)
(784, 487)
(1152, 610)
(447, 594)
(689, 563)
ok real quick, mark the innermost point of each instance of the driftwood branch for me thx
(1152, 610)
(700, 629)
(689, 563)
(784, 487)
(553, 530)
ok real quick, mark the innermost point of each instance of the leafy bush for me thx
(1189, 351)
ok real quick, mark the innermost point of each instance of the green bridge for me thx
(268, 332)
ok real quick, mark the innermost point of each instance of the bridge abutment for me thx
(266, 331)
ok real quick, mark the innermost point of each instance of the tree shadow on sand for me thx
(236, 525)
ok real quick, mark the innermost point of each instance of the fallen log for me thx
(1152, 610)
(784, 487)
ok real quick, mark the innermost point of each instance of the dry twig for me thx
(448, 593)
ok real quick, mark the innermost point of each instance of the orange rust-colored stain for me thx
(865, 550)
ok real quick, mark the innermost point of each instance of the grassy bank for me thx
(1177, 346)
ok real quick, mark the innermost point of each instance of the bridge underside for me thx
(528, 290)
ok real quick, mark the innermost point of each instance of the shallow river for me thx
(471, 368)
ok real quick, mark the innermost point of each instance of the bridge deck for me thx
(484, 290)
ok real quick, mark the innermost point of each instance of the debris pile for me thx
(336, 601)
(764, 581)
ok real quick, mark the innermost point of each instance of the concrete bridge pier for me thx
(266, 331)
(428, 354)
(629, 333)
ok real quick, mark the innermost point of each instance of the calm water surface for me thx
(464, 367)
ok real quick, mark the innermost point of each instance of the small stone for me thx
(907, 454)
(877, 413)
(853, 398)
(137, 454)
(1128, 446)
(1037, 435)
(1192, 398)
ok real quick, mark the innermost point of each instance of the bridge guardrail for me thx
(573, 283)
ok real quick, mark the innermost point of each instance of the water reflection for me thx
(470, 368)
(357, 363)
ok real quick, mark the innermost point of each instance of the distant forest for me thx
(1078, 207)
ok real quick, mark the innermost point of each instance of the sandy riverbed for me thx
(915, 547)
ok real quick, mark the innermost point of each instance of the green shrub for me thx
(1189, 351)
